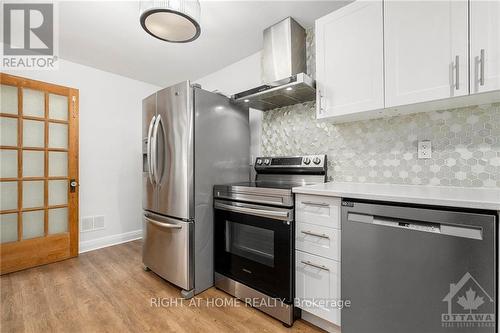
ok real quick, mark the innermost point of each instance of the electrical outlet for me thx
(425, 149)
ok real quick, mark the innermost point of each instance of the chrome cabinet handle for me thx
(481, 69)
(323, 267)
(315, 234)
(252, 211)
(457, 72)
(162, 224)
(320, 104)
(312, 203)
(150, 131)
(154, 148)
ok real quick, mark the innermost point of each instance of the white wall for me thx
(237, 77)
(110, 148)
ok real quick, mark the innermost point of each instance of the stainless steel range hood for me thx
(283, 69)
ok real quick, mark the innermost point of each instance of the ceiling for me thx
(107, 35)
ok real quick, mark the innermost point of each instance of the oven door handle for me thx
(252, 211)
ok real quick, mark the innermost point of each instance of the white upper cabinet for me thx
(426, 51)
(349, 60)
(484, 46)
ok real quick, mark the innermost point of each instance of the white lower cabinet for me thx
(317, 280)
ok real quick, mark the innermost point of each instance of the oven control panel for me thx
(307, 161)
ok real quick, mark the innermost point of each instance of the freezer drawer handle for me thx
(162, 224)
(315, 265)
(312, 203)
(310, 233)
(252, 211)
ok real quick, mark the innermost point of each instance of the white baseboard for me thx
(99, 243)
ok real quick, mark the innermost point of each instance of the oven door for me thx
(254, 246)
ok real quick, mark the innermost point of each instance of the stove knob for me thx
(259, 161)
(267, 161)
(316, 160)
(307, 160)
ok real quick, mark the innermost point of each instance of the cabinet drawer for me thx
(318, 210)
(317, 278)
(318, 240)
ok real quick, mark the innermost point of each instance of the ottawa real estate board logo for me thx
(29, 36)
(469, 305)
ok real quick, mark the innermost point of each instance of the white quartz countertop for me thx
(462, 197)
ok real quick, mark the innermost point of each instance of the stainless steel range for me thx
(254, 233)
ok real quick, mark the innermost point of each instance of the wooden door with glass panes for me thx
(38, 173)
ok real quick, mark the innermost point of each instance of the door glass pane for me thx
(8, 195)
(256, 244)
(33, 103)
(33, 225)
(33, 133)
(58, 220)
(58, 107)
(8, 99)
(33, 163)
(33, 194)
(8, 228)
(58, 164)
(8, 135)
(58, 192)
(58, 135)
(8, 163)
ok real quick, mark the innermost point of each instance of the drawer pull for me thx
(315, 265)
(315, 234)
(312, 203)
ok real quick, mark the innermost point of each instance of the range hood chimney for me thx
(283, 69)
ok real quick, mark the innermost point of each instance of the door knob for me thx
(72, 185)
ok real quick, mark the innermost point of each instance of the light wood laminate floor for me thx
(107, 291)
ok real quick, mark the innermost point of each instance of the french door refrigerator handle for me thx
(150, 131)
(162, 224)
(154, 148)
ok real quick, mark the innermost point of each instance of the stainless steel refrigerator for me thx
(192, 139)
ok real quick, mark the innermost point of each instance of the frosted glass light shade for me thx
(175, 21)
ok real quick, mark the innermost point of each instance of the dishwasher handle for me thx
(464, 231)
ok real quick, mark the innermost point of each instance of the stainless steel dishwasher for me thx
(418, 269)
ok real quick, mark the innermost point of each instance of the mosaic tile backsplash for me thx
(465, 145)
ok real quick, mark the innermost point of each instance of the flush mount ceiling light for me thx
(175, 21)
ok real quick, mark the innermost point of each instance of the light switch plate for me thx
(425, 149)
